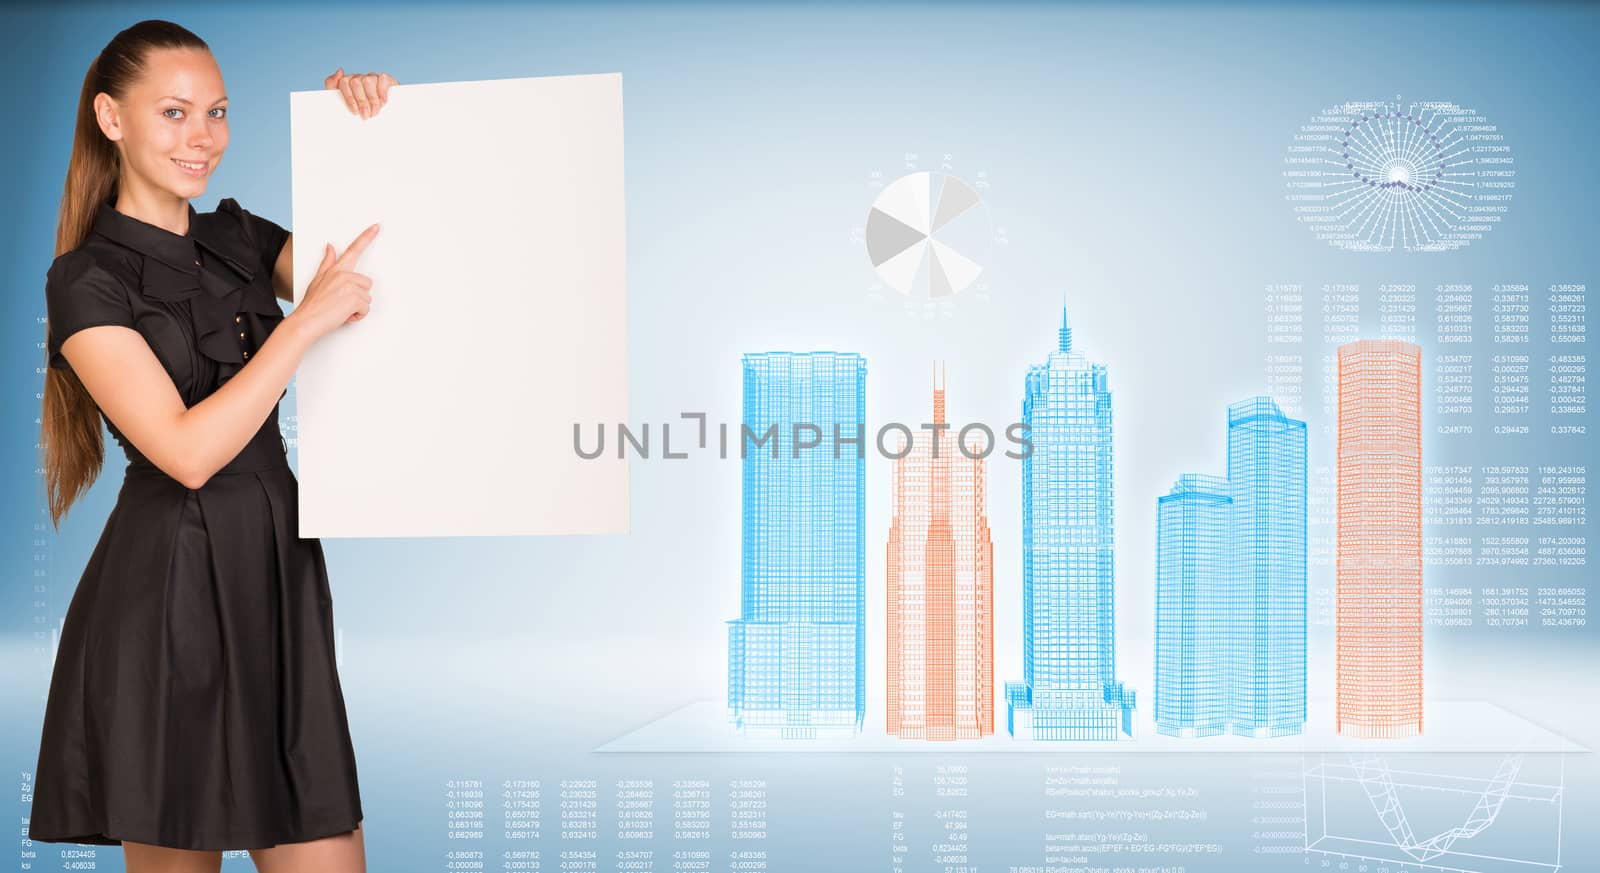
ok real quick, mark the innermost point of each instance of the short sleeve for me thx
(80, 293)
(266, 235)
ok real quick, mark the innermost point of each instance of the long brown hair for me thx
(70, 433)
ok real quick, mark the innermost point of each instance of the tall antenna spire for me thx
(1065, 334)
(938, 395)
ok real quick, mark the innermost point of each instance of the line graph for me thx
(1361, 806)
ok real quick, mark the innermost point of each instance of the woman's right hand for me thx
(336, 295)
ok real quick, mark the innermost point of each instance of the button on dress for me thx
(195, 701)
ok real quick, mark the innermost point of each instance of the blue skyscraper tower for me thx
(1194, 605)
(1267, 466)
(1069, 689)
(796, 654)
(1231, 586)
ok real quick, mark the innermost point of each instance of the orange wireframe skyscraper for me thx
(1380, 539)
(940, 647)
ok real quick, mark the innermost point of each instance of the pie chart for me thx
(925, 232)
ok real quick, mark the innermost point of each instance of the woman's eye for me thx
(219, 112)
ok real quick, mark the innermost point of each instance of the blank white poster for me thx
(498, 309)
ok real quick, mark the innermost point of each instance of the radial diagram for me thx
(1378, 176)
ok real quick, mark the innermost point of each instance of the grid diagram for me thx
(796, 652)
(939, 660)
(1069, 689)
(1231, 586)
(1379, 540)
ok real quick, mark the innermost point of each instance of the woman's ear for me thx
(107, 113)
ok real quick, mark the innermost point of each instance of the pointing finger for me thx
(353, 253)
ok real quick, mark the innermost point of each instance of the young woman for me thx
(194, 705)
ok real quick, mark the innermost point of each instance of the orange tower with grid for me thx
(940, 628)
(1379, 573)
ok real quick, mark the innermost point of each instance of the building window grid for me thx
(802, 562)
(1378, 541)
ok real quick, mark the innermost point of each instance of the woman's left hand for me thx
(364, 93)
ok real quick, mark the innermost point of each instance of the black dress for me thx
(195, 702)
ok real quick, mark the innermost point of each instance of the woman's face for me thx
(172, 126)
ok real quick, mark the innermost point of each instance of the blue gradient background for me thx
(1134, 155)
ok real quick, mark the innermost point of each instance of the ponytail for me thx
(71, 444)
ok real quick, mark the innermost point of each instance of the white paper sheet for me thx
(498, 309)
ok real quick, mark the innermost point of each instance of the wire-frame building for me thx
(796, 652)
(1379, 540)
(1231, 586)
(1267, 469)
(1194, 608)
(939, 658)
(1069, 689)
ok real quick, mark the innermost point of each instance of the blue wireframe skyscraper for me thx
(1069, 689)
(796, 654)
(1194, 605)
(1231, 586)
(1267, 466)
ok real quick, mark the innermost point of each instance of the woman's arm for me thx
(125, 378)
(283, 272)
(365, 94)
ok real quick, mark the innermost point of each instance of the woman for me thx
(194, 705)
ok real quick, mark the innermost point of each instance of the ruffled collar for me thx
(213, 265)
